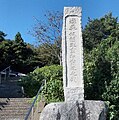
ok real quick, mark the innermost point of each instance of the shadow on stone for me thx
(58, 115)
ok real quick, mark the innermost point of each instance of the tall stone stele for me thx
(72, 54)
(74, 107)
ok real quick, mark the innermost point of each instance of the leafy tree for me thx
(49, 35)
(45, 54)
(30, 61)
(20, 53)
(17, 54)
(112, 89)
(5, 53)
(101, 68)
(2, 35)
(98, 29)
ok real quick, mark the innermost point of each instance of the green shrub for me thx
(112, 96)
(53, 90)
(101, 75)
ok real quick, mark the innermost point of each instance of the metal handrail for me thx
(1, 72)
(5, 69)
(33, 103)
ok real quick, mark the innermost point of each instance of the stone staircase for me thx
(13, 105)
(14, 108)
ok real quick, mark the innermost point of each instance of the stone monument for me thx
(74, 107)
(72, 53)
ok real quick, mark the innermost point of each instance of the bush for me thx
(112, 96)
(53, 91)
(101, 75)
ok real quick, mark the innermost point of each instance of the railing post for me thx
(31, 110)
(32, 113)
(5, 76)
(37, 111)
(23, 93)
(0, 78)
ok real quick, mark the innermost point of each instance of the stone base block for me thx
(74, 94)
(79, 110)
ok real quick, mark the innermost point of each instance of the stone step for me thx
(13, 117)
(13, 112)
(14, 104)
(14, 99)
(17, 108)
(14, 108)
(17, 103)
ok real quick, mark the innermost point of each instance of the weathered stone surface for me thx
(74, 94)
(95, 110)
(72, 54)
(78, 110)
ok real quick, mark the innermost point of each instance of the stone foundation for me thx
(73, 94)
(79, 110)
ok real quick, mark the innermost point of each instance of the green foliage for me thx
(17, 54)
(98, 29)
(45, 54)
(111, 93)
(53, 90)
(5, 53)
(2, 35)
(101, 75)
(31, 84)
(97, 72)
(101, 65)
(112, 96)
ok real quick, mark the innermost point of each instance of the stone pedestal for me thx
(77, 110)
(74, 94)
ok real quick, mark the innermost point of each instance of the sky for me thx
(18, 15)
